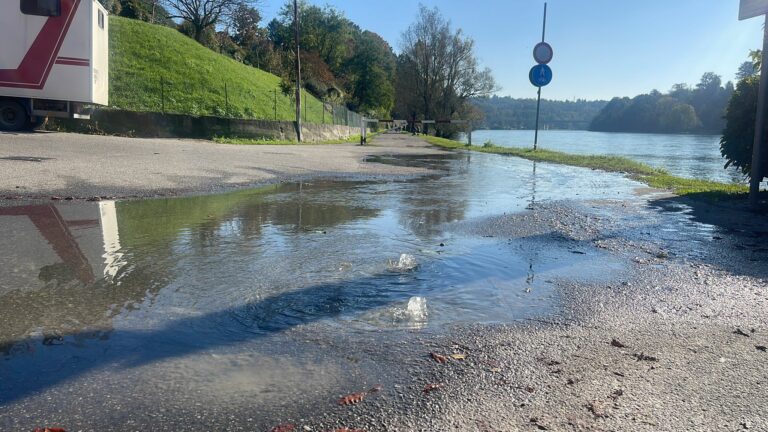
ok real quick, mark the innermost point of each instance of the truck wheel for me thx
(13, 117)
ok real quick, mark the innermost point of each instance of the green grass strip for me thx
(654, 177)
(354, 139)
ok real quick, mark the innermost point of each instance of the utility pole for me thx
(298, 70)
(538, 96)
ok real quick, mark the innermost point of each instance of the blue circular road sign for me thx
(540, 75)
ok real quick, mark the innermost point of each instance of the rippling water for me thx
(692, 156)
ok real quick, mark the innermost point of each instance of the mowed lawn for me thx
(194, 79)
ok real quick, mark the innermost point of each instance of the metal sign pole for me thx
(538, 106)
(757, 170)
(362, 131)
(538, 96)
(469, 134)
(298, 71)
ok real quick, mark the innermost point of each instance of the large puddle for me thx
(85, 285)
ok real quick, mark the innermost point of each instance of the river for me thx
(691, 156)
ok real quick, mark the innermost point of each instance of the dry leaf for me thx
(495, 370)
(438, 358)
(617, 344)
(458, 356)
(352, 399)
(283, 428)
(643, 357)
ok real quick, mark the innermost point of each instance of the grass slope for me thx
(142, 54)
(654, 177)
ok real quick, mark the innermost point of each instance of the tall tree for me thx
(372, 69)
(442, 63)
(739, 132)
(202, 16)
(324, 30)
(746, 70)
(709, 100)
(245, 25)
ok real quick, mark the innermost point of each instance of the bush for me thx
(739, 132)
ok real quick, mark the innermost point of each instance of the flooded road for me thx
(271, 301)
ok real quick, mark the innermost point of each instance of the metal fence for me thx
(235, 100)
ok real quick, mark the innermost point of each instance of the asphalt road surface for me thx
(44, 164)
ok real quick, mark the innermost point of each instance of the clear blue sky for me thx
(603, 48)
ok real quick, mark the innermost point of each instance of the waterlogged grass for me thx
(653, 177)
(690, 187)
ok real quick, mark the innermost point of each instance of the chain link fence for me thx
(233, 100)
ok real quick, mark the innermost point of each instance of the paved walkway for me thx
(87, 165)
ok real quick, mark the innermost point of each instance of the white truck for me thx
(54, 60)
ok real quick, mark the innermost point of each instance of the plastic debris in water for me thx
(405, 263)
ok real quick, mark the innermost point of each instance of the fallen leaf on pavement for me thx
(496, 370)
(352, 399)
(616, 393)
(438, 358)
(458, 356)
(430, 387)
(643, 357)
(536, 422)
(740, 332)
(283, 428)
(617, 344)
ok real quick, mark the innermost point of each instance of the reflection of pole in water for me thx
(533, 186)
(531, 274)
(301, 203)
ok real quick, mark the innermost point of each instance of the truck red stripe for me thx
(34, 69)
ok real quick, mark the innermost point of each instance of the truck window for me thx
(41, 7)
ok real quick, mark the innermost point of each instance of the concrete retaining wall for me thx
(157, 125)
